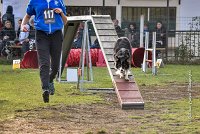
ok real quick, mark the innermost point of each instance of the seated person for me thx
(132, 35)
(160, 35)
(118, 29)
(145, 30)
(77, 43)
(6, 35)
(19, 27)
(95, 45)
(79, 36)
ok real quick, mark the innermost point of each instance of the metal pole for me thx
(90, 11)
(167, 30)
(103, 9)
(118, 2)
(86, 46)
(89, 56)
(190, 95)
(83, 59)
(60, 69)
(141, 31)
(154, 69)
(144, 65)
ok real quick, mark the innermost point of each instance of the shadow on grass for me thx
(4, 61)
(2, 102)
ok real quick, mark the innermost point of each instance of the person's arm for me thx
(24, 22)
(64, 17)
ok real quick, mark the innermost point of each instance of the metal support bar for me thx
(141, 30)
(154, 67)
(144, 65)
(153, 50)
(85, 54)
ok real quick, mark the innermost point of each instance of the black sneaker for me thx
(45, 96)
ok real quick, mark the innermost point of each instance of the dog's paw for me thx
(121, 75)
(117, 72)
(127, 79)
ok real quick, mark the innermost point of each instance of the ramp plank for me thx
(108, 44)
(127, 87)
(109, 57)
(109, 51)
(107, 32)
(104, 27)
(102, 20)
(108, 38)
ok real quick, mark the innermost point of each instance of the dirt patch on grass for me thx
(97, 118)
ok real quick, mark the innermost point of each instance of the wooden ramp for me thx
(127, 91)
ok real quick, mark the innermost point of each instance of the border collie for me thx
(122, 57)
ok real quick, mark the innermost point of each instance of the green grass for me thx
(20, 90)
(168, 74)
(174, 119)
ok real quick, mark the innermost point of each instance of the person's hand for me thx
(5, 37)
(27, 40)
(24, 28)
(57, 10)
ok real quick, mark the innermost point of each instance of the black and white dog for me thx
(123, 57)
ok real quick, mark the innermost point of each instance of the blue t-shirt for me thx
(38, 7)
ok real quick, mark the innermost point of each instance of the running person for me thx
(50, 17)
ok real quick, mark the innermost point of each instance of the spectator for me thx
(79, 36)
(118, 29)
(19, 27)
(7, 34)
(69, 13)
(1, 25)
(146, 29)
(132, 35)
(95, 45)
(160, 35)
(9, 16)
(160, 38)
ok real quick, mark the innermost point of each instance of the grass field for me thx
(20, 91)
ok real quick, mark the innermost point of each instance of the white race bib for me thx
(49, 16)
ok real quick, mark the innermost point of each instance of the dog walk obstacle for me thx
(146, 61)
(127, 91)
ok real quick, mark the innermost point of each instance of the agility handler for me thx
(50, 17)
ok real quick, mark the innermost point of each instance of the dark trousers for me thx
(49, 51)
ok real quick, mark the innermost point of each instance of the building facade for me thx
(127, 11)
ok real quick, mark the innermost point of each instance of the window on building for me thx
(76, 11)
(151, 14)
